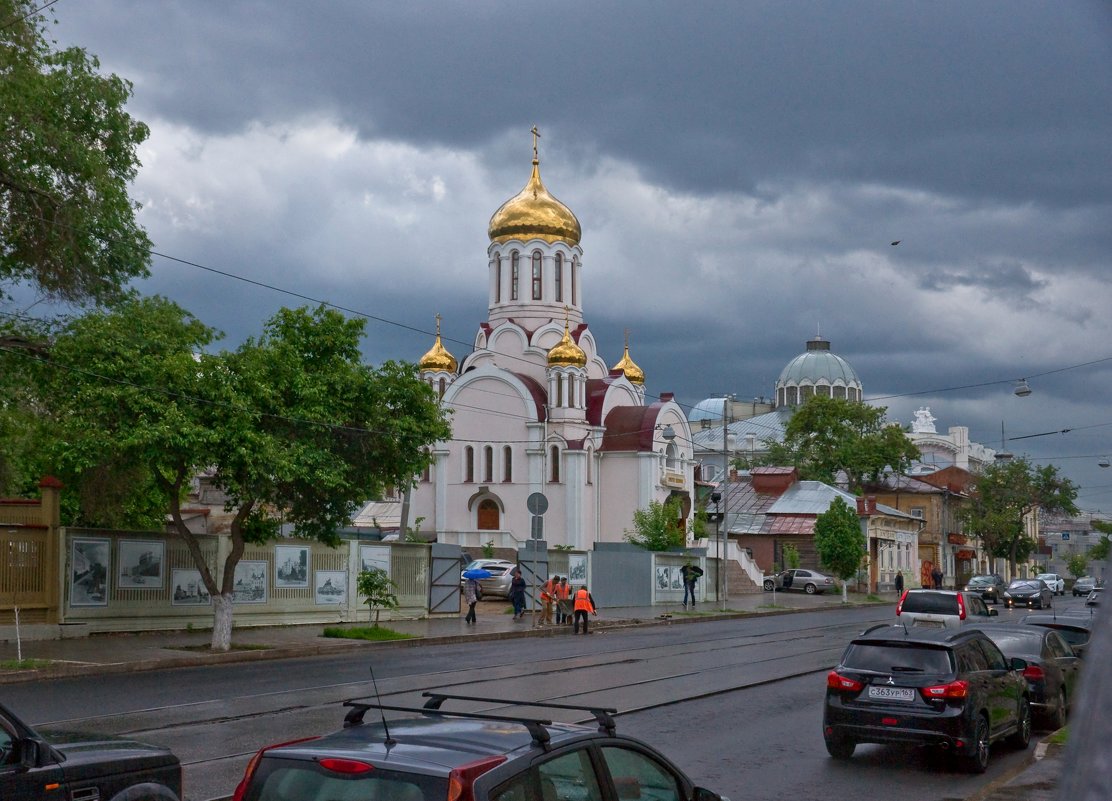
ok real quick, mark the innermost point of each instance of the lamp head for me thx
(715, 497)
(1022, 388)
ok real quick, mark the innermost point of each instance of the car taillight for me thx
(249, 771)
(836, 681)
(349, 766)
(461, 781)
(961, 606)
(900, 605)
(955, 689)
(1034, 673)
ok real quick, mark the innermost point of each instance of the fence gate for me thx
(529, 556)
(444, 568)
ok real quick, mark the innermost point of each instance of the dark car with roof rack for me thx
(442, 755)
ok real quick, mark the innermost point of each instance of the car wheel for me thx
(1057, 717)
(976, 761)
(1022, 737)
(840, 747)
(810, 589)
(768, 585)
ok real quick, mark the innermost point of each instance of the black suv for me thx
(68, 765)
(991, 587)
(466, 756)
(948, 688)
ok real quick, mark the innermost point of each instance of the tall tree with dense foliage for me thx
(67, 154)
(290, 424)
(839, 542)
(828, 435)
(1102, 549)
(658, 527)
(1003, 494)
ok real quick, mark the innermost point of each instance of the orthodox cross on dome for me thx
(536, 136)
(627, 339)
(438, 326)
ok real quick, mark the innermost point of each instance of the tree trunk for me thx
(845, 594)
(222, 622)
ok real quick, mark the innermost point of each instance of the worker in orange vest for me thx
(584, 604)
(563, 601)
(548, 597)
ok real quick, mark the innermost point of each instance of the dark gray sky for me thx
(739, 170)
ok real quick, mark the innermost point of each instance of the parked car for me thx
(1029, 593)
(941, 608)
(501, 571)
(70, 765)
(1093, 598)
(1084, 586)
(948, 689)
(461, 755)
(990, 586)
(808, 581)
(1074, 629)
(1056, 583)
(1051, 672)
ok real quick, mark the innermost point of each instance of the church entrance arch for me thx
(487, 515)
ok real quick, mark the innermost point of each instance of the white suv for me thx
(1056, 583)
(948, 609)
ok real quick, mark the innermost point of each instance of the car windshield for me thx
(1047, 577)
(1016, 642)
(1023, 585)
(890, 658)
(980, 580)
(285, 779)
(938, 603)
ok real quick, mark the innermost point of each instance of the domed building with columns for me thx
(535, 408)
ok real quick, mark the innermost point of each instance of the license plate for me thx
(892, 693)
(934, 624)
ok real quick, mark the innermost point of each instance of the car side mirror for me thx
(703, 794)
(29, 753)
(992, 613)
(1019, 663)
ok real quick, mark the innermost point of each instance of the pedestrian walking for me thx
(471, 594)
(899, 583)
(936, 577)
(517, 594)
(563, 602)
(584, 605)
(690, 574)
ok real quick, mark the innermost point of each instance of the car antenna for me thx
(390, 741)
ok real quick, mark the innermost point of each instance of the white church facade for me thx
(535, 408)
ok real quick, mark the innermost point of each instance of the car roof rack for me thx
(603, 714)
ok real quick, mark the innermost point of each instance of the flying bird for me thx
(898, 241)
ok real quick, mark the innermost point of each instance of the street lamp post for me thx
(725, 533)
(715, 497)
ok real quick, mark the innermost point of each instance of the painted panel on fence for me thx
(374, 556)
(291, 566)
(189, 590)
(140, 563)
(331, 586)
(89, 569)
(677, 578)
(663, 577)
(577, 568)
(249, 583)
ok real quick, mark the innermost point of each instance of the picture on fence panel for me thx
(331, 586)
(249, 583)
(140, 564)
(663, 577)
(291, 566)
(189, 590)
(89, 563)
(371, 556)
(577, 568)
(677, 578)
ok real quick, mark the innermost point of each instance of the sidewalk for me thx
(1036, 780)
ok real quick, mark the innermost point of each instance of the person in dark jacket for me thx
(899, 583)
(690, 574)
(471, 594)
(517, 594)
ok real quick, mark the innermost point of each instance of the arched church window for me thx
(426, 474)
(497, 277)
(574, 278)
(469, 464)
(488, 464)
(823, 390)
(793, 396)
(670, 457)
(515, 274)
(559, 391)
(558, 276)
(840, 392)
(590, 466)
(554, 464)
(854, 394)
(805, 392)
(507, 464)
(443, 385)
(537, 274)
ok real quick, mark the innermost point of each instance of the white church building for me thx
(535, 408)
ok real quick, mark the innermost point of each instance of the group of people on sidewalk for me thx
(557, 598)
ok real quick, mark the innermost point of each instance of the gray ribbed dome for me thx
(709, 409)
(817, 371)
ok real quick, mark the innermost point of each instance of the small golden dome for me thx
(634, 373)
(533, 213)
(438, 358)
(566, 353)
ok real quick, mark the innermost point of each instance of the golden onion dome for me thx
(566, 353)
(533, 213)
(632, 372)
(438, 358)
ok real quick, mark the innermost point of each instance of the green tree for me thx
(1077, 564)
(1101, 550)
(291, 424)
(658, 527)
(378, 591)
(838, 541)
(828, 435)
(67, 154)
(791, 556)
(1003, 494)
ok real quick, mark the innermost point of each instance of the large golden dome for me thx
(566, 353)
(533, 213)
(438, 358)
(632, 372)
